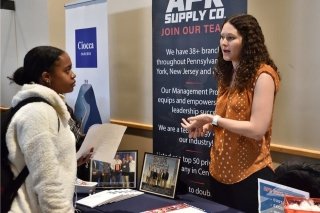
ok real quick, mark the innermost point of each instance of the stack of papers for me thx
(180, 207)
(108, 196)
(85, 186)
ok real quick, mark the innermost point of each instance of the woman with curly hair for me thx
(248, 81)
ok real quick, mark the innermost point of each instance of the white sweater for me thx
(33, 139)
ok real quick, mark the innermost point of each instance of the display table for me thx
(147, 202)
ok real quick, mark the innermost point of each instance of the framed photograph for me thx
(159, 175)
(120, 173)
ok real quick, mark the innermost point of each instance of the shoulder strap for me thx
(12, 190)
(11, 112)
(27, 101)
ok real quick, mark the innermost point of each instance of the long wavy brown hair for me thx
(253, 54)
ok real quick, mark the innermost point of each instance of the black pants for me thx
(243, 195)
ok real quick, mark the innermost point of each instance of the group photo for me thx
(120, 173)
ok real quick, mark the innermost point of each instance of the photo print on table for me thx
(120, 173)
(159, 175)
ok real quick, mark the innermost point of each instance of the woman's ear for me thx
(45, 78)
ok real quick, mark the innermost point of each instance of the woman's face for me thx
(62, 79)
(231, 44)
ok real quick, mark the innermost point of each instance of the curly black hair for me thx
(253, 54)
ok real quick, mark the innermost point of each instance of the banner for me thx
(87, 45)
(186, 37)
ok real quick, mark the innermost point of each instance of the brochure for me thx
(176, 208)
(108, 196)
(271, 196)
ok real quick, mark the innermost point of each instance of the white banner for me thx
(87, 45)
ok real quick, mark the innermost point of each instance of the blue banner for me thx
(186, 37)
(86, 47)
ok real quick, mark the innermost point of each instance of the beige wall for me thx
(56, 16)
(289, 28)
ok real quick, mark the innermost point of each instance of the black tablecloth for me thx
(147, 202)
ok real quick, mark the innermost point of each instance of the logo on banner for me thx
(179, 11)
(193, 11)
(86, 48)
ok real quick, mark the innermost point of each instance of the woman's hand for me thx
(197, 126)
(207, 128)
(85, 158)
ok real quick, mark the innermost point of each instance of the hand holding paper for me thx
(85, 158)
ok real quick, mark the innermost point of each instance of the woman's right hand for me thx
(197, 126)
(85, 158)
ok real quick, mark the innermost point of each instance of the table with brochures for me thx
(147, 202)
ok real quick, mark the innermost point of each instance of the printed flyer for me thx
(271, 196)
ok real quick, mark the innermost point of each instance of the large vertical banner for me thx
(87, 45)
(186, 37)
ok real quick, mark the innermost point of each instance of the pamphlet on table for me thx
(108, 196)
(176, 208)
(271, 196)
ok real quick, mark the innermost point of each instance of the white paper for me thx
(96, 199)
(105, 140)
(85, 186)
(108, 196)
